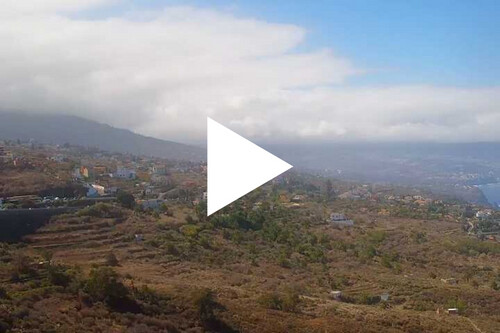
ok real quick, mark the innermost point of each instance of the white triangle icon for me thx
(236, 166)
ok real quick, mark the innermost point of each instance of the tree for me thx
(201, 211)
(330, 193)
(104, 285)
(125, 199)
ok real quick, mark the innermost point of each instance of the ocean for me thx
(492, 193)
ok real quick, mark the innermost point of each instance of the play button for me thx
(236, 166)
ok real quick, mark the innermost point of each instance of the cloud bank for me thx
(161, 73)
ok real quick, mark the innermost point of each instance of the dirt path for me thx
(474, 325)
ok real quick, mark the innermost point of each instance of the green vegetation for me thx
(288, 301)
(474, 247)
(101, 210)
(205, 303)
(103, 285)
(125, 199)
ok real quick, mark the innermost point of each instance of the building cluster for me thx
(152, 181)
(358, 193)
(482, 223)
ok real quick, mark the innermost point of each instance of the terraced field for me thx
(177, 258)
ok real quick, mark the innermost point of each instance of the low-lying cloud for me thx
(161, 73)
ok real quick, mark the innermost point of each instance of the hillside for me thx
(253, 272)
(274, 261)
(60, 129)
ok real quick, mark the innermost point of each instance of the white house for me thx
(99, 188)
(483, 214)
(336, 295)
(340, 219)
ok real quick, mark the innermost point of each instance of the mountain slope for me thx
(60, 129)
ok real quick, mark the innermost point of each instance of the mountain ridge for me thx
(61, 129)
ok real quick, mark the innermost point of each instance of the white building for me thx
(483, 214)
(340, 219)
(124, 173)
(100, 189)
(160, 169)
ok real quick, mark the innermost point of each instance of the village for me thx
(77, 173)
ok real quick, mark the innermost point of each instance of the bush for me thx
(368, 299)
(457, 303)
(271, 301)
(204, 301)
(101, 210)
(3, 293)
(21, 265)
(283, 260)
(288, 301)
(376, 237)
(104, 285)
(58, 277)
(111, 260)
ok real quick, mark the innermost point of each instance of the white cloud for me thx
(161, 73)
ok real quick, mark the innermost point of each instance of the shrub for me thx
(20, 264)
(190, 220)
(111, 259)
(420, 237)
(104, 285)
(190, 230)
(58, 277)
(101, 210)
(237, 237)
(368, 299)
(288, 301)
(205, 242)
(457, 303)
(271, 301)
(283, 260)
(204, 301)
(3, 293)
(376, 237)
(172, 249)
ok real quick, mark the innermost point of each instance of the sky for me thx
(274, 71)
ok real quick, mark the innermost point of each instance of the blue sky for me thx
(400, 42)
